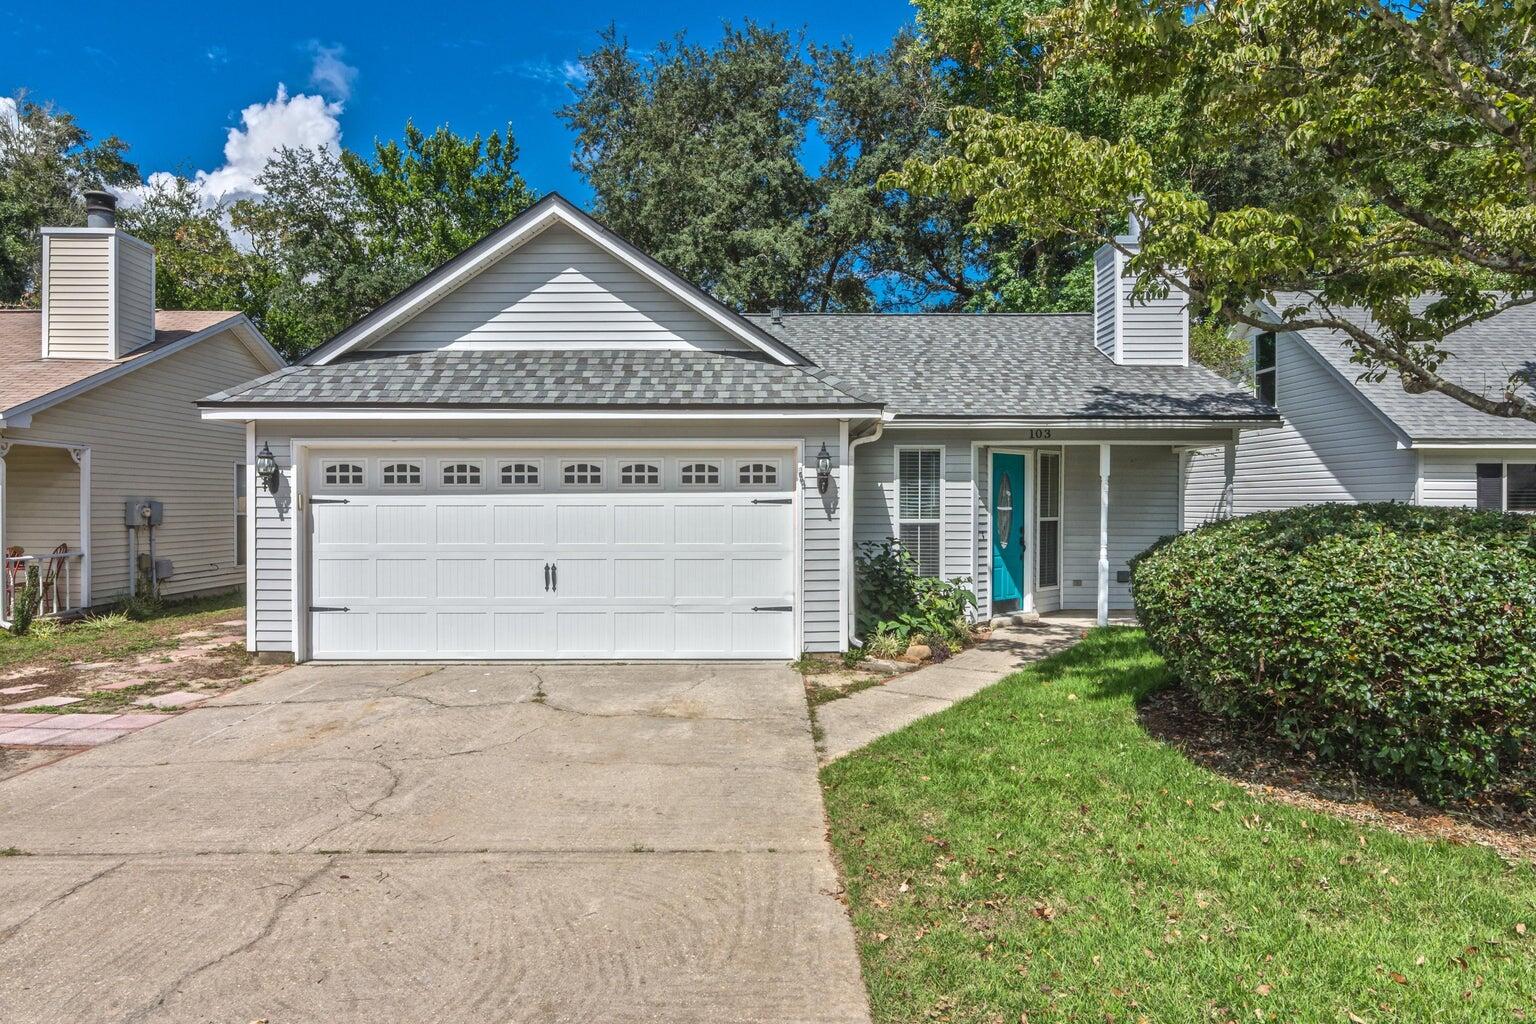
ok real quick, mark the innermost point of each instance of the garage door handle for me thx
(773, 607)
(773, 501)
(554, 577)
(319, 608)
(546, 575)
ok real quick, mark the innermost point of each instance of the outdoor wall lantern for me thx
(823, 469)
(266, 469)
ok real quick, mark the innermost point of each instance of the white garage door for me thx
(466, 554)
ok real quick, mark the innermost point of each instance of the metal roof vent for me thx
(100, 210)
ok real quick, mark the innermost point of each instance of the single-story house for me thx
(554, 447)
(98, 425)
(1350, 440)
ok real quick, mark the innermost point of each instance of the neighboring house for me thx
(96, 408)
(1348, 440)
(554, 447)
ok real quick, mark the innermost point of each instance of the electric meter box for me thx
(143, 512)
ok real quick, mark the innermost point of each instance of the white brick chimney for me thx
(98, 287)
(1153, 332)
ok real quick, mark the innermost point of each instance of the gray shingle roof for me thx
(1003, 365)
(1482, 358)
(547, 378)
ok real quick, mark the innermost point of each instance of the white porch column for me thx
(1229, 480)
(82, 457)
(1103, 534)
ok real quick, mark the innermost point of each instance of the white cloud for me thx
(9, 113)
(547, 71)
(330, 73)
(294, 122)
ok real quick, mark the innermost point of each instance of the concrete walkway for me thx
(475, 844)
(852, 722)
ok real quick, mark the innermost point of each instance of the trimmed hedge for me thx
(1398, 639)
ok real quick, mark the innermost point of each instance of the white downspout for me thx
(1103, 608)
(850, 591)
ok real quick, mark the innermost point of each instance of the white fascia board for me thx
(1458, 446)
(239, 323)
(247, 413)
(940, 423)
(515, 234)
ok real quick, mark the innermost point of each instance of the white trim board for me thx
(552, 209)
(332, 414)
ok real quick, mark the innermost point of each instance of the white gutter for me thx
(850, 591)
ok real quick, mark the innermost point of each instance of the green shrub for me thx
(895, 601)
(25, 603)
(1395, 638)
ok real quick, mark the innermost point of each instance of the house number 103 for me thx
(1040, 435)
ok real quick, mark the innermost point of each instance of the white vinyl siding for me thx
(876, 516)
(820, 553)
(1143, 507)
(1331, 448)
(147, 440)
(1449, 478)
(135, 294)
(558, 291)
(920, 507)
(1106, 268)
(1149, 332)
(78, 298)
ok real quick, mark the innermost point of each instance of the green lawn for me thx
(115, 637)
(1031, 851)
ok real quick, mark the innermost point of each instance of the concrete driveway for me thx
(411, 844)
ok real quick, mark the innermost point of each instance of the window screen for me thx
(1520, 486)
(919, 507)
(1490, 485)
(1048, 555)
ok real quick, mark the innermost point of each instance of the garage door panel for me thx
(523, 525)
(403, 579)
(644, 525)
(702, 524)
(702, 579)
(522, 634)
(338, 579)
(403, 524)
(464, 524)
(447, 572)
(583, 525)
(401, 634)
(464, 633)
(639, 579)
(518, 578)
(583, 634)
(459, 578)
(641, 633)
(760, 578)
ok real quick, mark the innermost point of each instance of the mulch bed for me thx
(1504, 822)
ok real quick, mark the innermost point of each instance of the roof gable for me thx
(553, 278)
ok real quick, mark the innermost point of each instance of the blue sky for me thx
(173, 85)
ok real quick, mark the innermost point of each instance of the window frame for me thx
(718, 465)
(601, 465)
(504, 469)
(1503, 465)
(352, 462)
(443, 466)
(242, 513)
(901, 521)
(420, 466)
(1059, 519)
(1272, 371)
(773, 466)
(659, 465)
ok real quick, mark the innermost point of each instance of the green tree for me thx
(46, 162)
(196, 264)
(1375, 156)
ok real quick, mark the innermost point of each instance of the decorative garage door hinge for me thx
(325, 608)
(773, 607)
(329, 501)
(773, 501)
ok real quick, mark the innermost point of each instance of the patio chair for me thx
(50, 584)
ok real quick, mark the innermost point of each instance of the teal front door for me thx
(1007, 527)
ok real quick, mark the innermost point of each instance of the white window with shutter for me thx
(920, 506)
(1048, 522)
